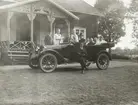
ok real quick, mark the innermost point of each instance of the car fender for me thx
(104, 51)
(59, 57)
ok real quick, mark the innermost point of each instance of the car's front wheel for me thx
(102, 61)
(48, 62)
(33, 64)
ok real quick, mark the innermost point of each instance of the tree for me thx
(111, 25)
(133, 15)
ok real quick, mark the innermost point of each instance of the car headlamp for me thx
(37, 48)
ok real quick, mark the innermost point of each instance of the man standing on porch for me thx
(74, 37)
(57, 37)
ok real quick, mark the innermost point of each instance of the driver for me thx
(74, 37)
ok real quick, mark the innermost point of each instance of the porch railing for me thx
(20, 46)
(15, 52)
(16, 45)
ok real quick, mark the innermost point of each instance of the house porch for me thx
(30, 23)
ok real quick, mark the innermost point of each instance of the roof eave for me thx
(6, 7)
(63, 9)
(95, 14)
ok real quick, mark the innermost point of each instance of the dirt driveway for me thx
(20, 85)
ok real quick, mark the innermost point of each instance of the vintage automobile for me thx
(48, 57)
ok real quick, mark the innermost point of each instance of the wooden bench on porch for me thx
(16, 52)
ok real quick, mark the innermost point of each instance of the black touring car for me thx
(48, 57)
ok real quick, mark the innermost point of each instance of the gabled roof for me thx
(79, 6)
(16, 4)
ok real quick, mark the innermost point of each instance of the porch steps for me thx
(19, 57)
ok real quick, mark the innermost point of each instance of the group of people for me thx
(58, 38)
(79, 42)
(81, 53)
(95, 41)
(89, 41)
(74, 38)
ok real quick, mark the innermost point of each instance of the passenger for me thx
(100, 40)
(77, 33)
(95, 40)
(81, 36)
(87, 41)
(74, 37)
(91, 42)
(57, 37)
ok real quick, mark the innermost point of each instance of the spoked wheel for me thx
(33, 64)
(48, 63)
(102, 61)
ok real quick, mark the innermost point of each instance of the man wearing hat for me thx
(81, 54)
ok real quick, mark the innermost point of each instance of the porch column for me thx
(10, 14)
(31, 18)
(51, 20)
(68, 24)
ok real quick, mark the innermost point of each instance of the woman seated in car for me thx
(100, 40)
(91, 42)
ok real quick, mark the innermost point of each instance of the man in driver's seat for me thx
(81, 54)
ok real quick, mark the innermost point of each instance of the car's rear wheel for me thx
(102, 61)
(48, 62)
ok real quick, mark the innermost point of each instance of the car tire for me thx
(32, 65)
(102, 61)
(48, 65)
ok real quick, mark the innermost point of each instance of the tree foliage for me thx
(133, 15)
(111, 25)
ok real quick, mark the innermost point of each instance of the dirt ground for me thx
(20, 85)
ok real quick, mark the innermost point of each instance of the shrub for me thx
(117, 56)
(136, 58)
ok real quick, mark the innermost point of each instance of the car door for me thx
(93, 50)
(66, 50)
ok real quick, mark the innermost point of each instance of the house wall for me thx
(91, 26)
(88, 22)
